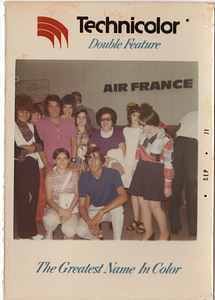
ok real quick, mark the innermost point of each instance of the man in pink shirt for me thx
(56, 133)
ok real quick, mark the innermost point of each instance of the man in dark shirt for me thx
(107, 195)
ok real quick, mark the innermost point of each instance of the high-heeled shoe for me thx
(152, 237)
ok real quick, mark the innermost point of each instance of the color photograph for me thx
(108, 185)
(122, 91)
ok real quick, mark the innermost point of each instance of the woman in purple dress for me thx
(107, 138)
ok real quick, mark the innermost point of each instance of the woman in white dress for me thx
(132, 134)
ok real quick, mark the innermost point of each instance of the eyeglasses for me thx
(91, 158)
(105, 119)
(141, 124)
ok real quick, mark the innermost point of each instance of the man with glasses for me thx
(107, 195)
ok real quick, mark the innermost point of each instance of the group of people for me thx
(87, 165)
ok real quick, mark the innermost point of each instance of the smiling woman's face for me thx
(61, 161)
(81, 119)
(106, 122)
(68, 110)
(23, 115)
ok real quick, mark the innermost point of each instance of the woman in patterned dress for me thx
(84, 132)
(54, 214)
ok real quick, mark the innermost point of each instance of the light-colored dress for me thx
(51, 217)
(56, 182)
(132, 136)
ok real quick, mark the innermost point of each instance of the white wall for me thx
(90, 77)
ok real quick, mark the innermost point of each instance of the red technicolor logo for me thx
(50, 28)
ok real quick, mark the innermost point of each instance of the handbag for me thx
(65, 200)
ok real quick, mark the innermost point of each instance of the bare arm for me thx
(29, 148)
(75, 199)
(123, 147)
(74, 147)
(117, 202)
(84, 214)
(47, 165)
(83, 209)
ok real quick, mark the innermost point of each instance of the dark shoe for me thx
(169, 238)
(174, 230)
(152, 237)
(132, 227)
(140, 230)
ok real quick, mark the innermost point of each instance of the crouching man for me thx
(107, 195)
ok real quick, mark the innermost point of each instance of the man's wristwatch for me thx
(73, 159)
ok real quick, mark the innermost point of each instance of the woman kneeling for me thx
(59, 183)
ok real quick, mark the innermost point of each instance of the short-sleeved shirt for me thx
(54, 138)
(102, 191)
(106, 144)
(189, 126)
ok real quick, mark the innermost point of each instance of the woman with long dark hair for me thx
(84, 132)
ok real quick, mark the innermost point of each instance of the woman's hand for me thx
(167, 192)
(66, 215)
(29, 148)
